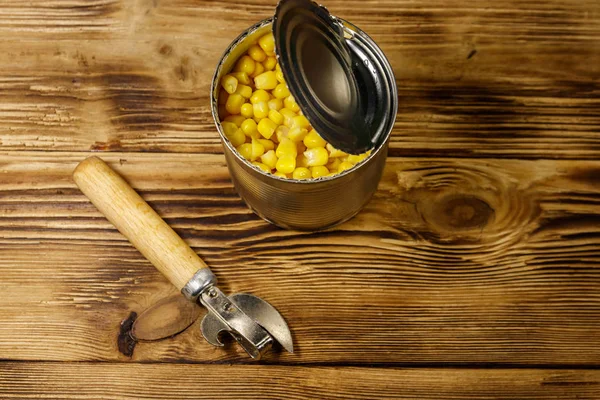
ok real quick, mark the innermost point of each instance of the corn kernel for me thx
(276, 117)
(245, 64)
(258, 69)
(230, 83)
(290, 102)
(234, 104)
(269, 159)
(333, 152)
(244, 90)
(281, 91)
(297, 134)
(223, 97)
(263, 167)
(257, 53)
(275, 104)
(266, 80)
(257, 149)
(266, 127)
(279, 76)
(319, 171)
(300, 121)
(229, 127)
(280, 174)
(353, 159)
(236, 119)
(267, 43)
(250, 128)
(287, 116)
(344, 166)
(286, 147)
(247, 110)
(269, 145)
(301, 173)
(333, 164)
(313, 140)
(260, 96)
(286, 164)
(270, 63)
(242, 77)
(316, 156)
(237, 138)
(281, 132)
(245, 150)
(261, 110)
(301, 161)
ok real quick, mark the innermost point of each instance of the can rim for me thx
(215, 112)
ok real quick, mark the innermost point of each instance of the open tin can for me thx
(345, 87)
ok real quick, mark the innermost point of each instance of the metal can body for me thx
(312, 204)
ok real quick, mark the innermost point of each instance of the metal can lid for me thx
(329, 77)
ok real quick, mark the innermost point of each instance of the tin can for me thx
(313, 204)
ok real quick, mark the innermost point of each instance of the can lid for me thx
(329, 80)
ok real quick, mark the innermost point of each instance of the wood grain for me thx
(454, 261)
(83, 380)
(488, 79)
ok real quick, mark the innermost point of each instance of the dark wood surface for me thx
(473, 273)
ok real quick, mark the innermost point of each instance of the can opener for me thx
(251, 321)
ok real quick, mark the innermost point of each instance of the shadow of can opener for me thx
(251, 321)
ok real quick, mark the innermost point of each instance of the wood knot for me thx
(463, 212)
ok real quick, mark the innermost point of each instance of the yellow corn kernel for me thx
(286, 164)
(277, 67)
(281, 91)
(244, 90)
(319, 171)
(262, 166)
(316, 156)
(300, 121)
(257, 53)
(290, 102)
(250, 128)
(269, 145)
(331, 174)
(267, 43)
(287, 116)
(301, 161)
(245, 150)
(301, 173)
(229, 127)
(258, 69)
(242, 77)
(276, 117)
(261, 110)
(280, 174)
(237, 138)
(279, 76)
(333, 152)
(230, 83)
(234, 104)
(260, 96)
(286, 147)
(275, 104)
(245, 64)
(266, 80)
(313, 140)
(223, 97)
(297, 134)
(269, 159)
(353, 158)
(333, 164)
(266, 127)
(257, 149)
(281, 132)
(236, 119)
(247, 110)
(344, 166)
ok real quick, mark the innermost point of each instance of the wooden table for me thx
(473, 273)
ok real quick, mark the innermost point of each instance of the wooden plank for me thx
(175, 381)
(511, 79)
(453, 261)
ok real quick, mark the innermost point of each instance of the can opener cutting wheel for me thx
(253, 323)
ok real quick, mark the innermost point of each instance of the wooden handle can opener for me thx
(251, 321)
